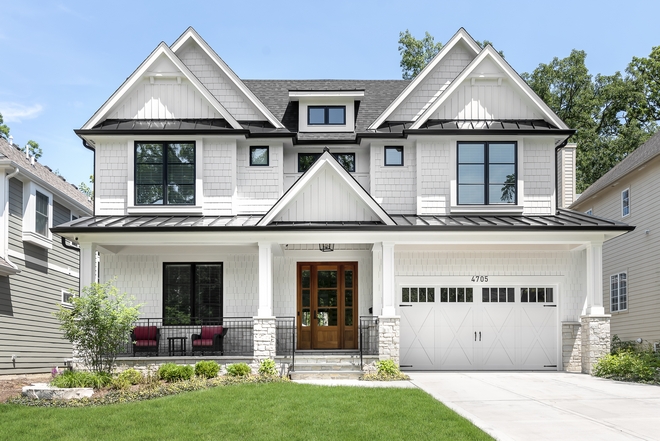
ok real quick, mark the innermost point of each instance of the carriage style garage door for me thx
(479, 327)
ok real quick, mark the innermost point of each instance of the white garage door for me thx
(478, 327)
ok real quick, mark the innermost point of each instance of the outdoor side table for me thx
(176, 345)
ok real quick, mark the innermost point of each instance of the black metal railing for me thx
(238, 340)
(368, 336)
(285, 337)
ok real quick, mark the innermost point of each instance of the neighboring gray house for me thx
(424, 211)
(630, 192)
(36, 269)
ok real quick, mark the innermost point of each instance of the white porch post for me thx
(388, 322)
(595, 324)
(388, 280)
(264, 322)
(377, 263)
(87, 264)
(595, 279)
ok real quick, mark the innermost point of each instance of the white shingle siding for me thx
(258, 188)
(395, 187)
(219, 84)
(434, 84)
(538, 176)
(111, 178)
(435, 173)
(217, 178)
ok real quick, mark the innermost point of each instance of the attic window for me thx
(326, 115)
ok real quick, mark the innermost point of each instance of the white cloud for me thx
(16, 112)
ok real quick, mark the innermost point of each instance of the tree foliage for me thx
(98, 324)
(34, 149)
(87, 190)
(4, 130)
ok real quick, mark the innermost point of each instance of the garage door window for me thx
(456, 295)
(539, 295)
(417, 295)
(498, 295)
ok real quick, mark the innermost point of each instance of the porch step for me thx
(326, 367)
(325, 375)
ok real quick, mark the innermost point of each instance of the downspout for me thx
(69, 247)
(89, 147)
(559, 147)
(5, 225)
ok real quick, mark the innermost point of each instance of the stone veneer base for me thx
(388, 338)
(595, 338)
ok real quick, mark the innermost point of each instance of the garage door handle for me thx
(401, 306)
(475, 335)
(479, 335)
(549, 306)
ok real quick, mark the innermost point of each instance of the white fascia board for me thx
(511, 74)
(191, 34)
(327, 94)
(326, 159)
(461, 35)
(143, 71)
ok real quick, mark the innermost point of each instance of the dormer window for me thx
(326, 115)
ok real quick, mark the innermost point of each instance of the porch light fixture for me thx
(326, 247)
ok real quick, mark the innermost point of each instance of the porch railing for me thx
(285, 337)
(368, 337)
(238, 341)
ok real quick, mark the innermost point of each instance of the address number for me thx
(479, 278)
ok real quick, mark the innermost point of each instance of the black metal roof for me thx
(181, 126)
(563, 220)
(498, 126)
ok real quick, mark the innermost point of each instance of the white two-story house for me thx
(419, 218)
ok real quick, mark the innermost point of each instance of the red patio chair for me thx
(145, 339)
(210, 340)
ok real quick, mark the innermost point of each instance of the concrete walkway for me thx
(548, 405)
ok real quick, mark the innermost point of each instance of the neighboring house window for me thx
(306, 160)
(165, 173)
(619, 292)
(326, 115)
(41, 214)
(590, 212)
(66, 297)
(393, 155)
(487, 173)
(192, 293)
(259, 156)
(625, 202)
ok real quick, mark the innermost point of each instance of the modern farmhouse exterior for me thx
(629, 192)
(424, 209)
(37, 269)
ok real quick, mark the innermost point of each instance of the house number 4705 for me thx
(479, 278)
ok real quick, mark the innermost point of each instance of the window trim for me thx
(392, 147)
(37, 213)
(618, 291)
(192, 286)
(64, 293)
(326, 115)
(486, 164)
(29, 221)
(253, 148)
(625, 203)
(164, 177)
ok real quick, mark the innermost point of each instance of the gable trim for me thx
(303, 181)
(191, 34)
(489, 52)
(141, 71)
(461, 35)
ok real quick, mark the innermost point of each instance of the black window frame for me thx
(318, 155)
(255, 147)
(326, 116)
(393, 147)
(194, 308)
(164, 145)
(486, 165)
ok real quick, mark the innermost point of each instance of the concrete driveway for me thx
(548, 405)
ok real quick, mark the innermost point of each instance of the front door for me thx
(327, 305)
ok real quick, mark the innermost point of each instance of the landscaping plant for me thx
(69, 379)
(207, 369)
(98, 324)
(387, 370)
(132, 376)
(267, 367)
(238, 370)
(171, 372)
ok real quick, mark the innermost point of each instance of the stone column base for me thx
(571, 350)
(595, 339)
(264, 338)
(388, 338)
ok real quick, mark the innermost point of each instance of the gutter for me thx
(69, 247)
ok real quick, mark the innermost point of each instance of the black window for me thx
(192, 293)
(165, 173)
(326, 115)
(347, 160)
(41, 215)
(487, 173)
(306, 160)
(393, 155)
(259, 156)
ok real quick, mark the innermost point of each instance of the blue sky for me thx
(62, 59)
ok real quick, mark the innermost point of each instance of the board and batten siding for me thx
(637, 252)
(27, 327)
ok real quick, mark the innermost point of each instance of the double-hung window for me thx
(619, 292)
(487, 173)
(192, 293)
(164, 173)
(41, 214)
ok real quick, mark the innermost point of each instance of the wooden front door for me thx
(327, 305)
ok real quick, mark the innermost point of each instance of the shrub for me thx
(238, 370)
(387, 367)
(131, 376)
(627, 366)
(207, 369)
(619, 345)
(267, 367)
(120, 383)
(386, 370)
(98, 324)
(69, 379)
(171, 372)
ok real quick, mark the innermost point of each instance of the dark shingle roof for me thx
(44, 173)
(643, 154)
(378, 94)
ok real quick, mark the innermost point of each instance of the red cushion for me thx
(145, 332)
(203, 342)
(146, 343)
(211, 331)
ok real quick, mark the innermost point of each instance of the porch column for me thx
(377, 271)
(595, 324)
(388, 321)
(595, 279)
(388, 280)
(87, 264)
(264, 322)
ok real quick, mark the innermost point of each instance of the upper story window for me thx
(326, 115)
(487, 173)
(393, 155)
(259, 156)
(306, 160)
(625, 202)
(38, 215)
(165, 173)
(41, 214)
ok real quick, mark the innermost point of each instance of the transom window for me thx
(165, 173)
(393, 155)
(326, 115)
(625, 202)
(192, 293)
(619, 292)
(306, 160)
(259, 156)
(41, 215)
(487, 173)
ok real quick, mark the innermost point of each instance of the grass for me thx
(251, 411)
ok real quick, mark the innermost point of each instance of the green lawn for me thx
(250, 412)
